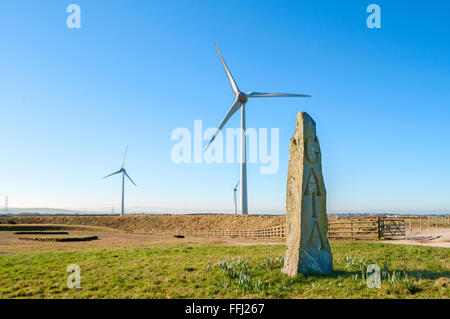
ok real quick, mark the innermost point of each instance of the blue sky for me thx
(70, 100)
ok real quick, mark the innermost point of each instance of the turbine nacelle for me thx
(242, 97)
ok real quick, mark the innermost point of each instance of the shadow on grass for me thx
(416, 274)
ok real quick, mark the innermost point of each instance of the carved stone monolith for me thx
(307, 246)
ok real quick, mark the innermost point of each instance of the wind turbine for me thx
(235, 198)
(124, 173)
(240, 101)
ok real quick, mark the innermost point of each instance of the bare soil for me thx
(435, 237)
(158, 222)
(10, 243)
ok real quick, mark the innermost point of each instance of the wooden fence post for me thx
(420, 224)
(428, 222)
(410, 226)
(379, 227)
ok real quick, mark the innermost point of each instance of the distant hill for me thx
(40, 211)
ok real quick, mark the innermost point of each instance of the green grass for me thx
(225, 272)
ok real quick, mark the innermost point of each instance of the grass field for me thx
(225, 272)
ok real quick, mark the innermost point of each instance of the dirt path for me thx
(437, 237)
(10, 243)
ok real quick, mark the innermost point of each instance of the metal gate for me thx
(392, 227)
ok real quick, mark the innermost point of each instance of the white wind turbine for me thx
(124, 173)
(235, 198)
(241, 100)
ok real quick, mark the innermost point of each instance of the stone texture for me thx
(307, 246)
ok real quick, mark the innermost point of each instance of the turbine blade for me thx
(235, 188)
(124, 156)
(230, 77)
(259, 94)
(129, 178)
(236, 105)
(112, 174)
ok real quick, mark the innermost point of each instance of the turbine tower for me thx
(6, 204)
(124, 173)
(240, 102)
(235, 198)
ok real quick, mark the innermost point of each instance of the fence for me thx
(421, 223)
(363, 228)
(347, 228)
(272, 232)
(391, 227)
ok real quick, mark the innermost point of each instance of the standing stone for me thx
(307, 247)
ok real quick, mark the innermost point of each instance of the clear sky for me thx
(71, 99)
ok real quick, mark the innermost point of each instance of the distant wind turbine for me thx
(124, 173)
(235, 198)
(241, 100)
